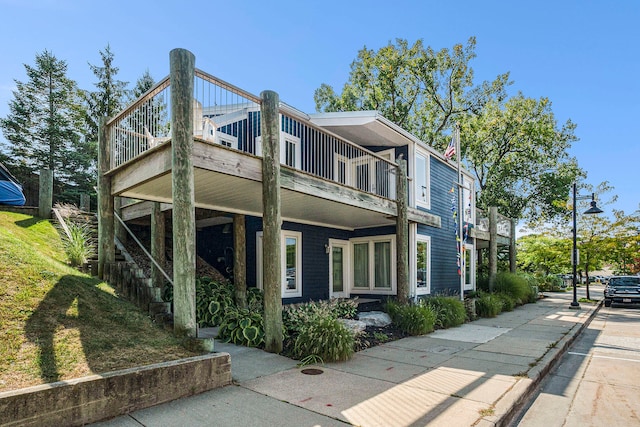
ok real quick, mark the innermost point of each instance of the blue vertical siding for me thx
(444, 270)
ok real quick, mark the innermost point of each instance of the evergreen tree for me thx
(143, 84)
(43, 126)
(106, 101)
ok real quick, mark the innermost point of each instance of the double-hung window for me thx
(291, 263)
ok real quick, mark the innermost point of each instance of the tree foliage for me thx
(42, 128)
(519, 156)
(420, 89)
(611, 238)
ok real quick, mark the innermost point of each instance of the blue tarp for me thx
(10, 189)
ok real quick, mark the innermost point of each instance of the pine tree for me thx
(143, 84)
(43, 126)
(106, 101)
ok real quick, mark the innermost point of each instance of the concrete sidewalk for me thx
(477, 374)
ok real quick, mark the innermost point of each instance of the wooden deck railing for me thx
(229, 116)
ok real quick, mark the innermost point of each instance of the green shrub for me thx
(508, 302)
(450, 311)
(296, 316)
(326, 338)
(213, 299)
(243, 327)
(488, 305)
(515, 285)
(551, 283)
(255, 299)
(414, 319)
(78, 246)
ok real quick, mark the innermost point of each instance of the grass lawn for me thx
(57, 323)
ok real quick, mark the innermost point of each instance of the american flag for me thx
(451, 149)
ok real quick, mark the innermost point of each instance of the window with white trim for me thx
(290, 152)
(291, 259)
(423, 264)
(226, 140)
(373, 264)
(422, 186)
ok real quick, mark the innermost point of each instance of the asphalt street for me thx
(597, 382)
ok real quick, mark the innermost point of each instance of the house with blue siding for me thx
(339, 202)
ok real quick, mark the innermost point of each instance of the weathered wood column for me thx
(106, 244)
(182, 69)
(85, 202)
(121, 233)
(158, 252)
(240, 259)
(271, 222)
(493, 246)
(512, 246)
(45, 195)
(402, 230)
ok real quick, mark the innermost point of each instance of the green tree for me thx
(420, 89)
(105, 101)
(143, 84)
(44, 123)
(519, 156)
(543, 254)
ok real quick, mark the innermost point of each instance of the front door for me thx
(338, 267)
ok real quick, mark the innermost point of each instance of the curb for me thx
(514, 400)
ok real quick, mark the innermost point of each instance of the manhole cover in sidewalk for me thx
(312, 371)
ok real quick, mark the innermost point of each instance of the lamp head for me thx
(593, 209)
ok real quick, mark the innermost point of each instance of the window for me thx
(291, 242)
(469, 267)
(226, 140)
(422, 190)
(423, 264)
(373, 264)
(290, 154)
(366, 173)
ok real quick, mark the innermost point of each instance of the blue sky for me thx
(582, 55)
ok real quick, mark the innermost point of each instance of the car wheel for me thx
(607, 303)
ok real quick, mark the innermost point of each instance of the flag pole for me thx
(461, 213)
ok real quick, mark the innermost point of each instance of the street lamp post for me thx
(574, 259)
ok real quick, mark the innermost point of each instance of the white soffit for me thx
(367, 128)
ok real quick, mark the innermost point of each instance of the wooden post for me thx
(182, 70)
(493, 246)
(240, 259)
(158, 250)
(106, 244)
(85, 202)
(512, 246)
(45, 198)
(271, 222)
(121, 233)
(402, 231)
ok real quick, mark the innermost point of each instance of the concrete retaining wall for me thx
(100, 397)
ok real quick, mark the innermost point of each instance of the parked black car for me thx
(622, 290)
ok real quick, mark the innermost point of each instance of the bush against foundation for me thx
(488, 305)
(414, 319)
(242, 327)
(326, 338)
(515, 285)
(450, 311)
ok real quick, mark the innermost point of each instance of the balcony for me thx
(325, 179)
